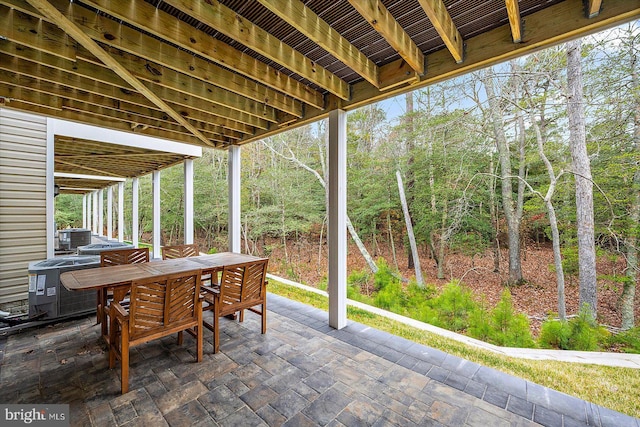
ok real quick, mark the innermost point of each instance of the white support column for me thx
(89, 211)
(100, 212)
(234, 198)
(94, 199)
(337, 162)
(156, 213)
(84, 211)
(120, 211)
(110, 212)
(49, 190)
(188, 201)
(135, 220)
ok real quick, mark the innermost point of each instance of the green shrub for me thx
(554, 334)
(585, 335)
(627, 341)
(384, 275)
(391, 297)
(453, 307)
(480, 323)
(509, 329)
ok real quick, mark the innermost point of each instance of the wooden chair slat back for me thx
(244, 282)
(180, 251)
(124, 256)
(162, 301)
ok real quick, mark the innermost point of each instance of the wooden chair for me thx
(180, 251)
(110, 258)
(159, 306)
(241, 287)
(209, 277)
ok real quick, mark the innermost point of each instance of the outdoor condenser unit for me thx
(48, 298)
(70, 238)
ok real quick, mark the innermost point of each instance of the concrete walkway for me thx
(622, 360)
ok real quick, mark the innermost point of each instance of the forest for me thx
(523, 176)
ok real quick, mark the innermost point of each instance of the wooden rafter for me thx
(173, 84)
(302, 18)
(48, 10)
(229, 23)
(22, 73)
(12, 30)
(441, 20)
(594, 8)
(379, 17)
(513, 10)
(145, 16)
(87, 168)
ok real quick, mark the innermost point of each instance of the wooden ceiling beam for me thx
(77, 166)
(442, 22)
(175, 73)
(213, 113)
(303, 19)
(384, 23)
(229, 23)
(131, 103)
(87, 116)
(44, 7)
(513, 11)
(145, 16)
(97, 72)
(28, 30)
(11, 95)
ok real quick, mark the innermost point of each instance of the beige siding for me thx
(23, 145)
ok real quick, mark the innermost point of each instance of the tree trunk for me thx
(509, 208)
(631, 242)
(584, 185)
(412, 239)
(443, 242)
(494, 218)
(410, 161)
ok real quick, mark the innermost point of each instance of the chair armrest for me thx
(210, 290)
(118, 311)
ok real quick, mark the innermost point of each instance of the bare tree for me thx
(584, 185)
(511, 209)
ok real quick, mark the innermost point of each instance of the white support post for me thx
(94, 199)
(156, 214)
(234, 198)
(110, 212)
(188, 201)
(49, 190)
(100, 212)
(135, 220)
(120, 211)
(89, 211)
(84, 211)
(337, 235)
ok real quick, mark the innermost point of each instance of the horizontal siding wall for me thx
(23, 215)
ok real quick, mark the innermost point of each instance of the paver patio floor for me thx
(301, 373)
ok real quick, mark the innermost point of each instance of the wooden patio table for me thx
(119, 277)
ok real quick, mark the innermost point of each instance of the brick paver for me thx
(300, 373)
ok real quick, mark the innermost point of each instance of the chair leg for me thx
(113, 345)
(216, 329)
(180, 338)
(124, 354)
(199, 333)
(241, 317)
(264, 317)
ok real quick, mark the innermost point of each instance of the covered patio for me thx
(223, 74)
(302, 373)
